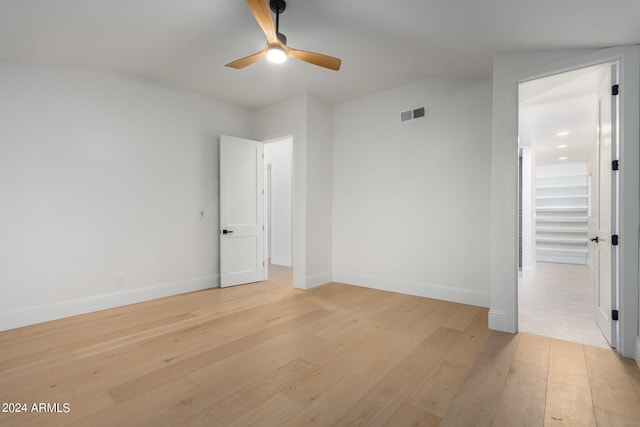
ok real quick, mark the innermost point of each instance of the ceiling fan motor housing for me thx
(277, 6)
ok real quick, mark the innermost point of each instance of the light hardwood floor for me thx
(269, 355)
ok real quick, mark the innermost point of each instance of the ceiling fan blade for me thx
(262, 13)
(247, 60)
(316, 59)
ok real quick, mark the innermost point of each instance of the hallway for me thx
(558, 301)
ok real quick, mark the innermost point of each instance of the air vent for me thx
(417, 113)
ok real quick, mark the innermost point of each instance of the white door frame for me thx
(268, 238)
(298, 203)
(607, 221)
(509, 71)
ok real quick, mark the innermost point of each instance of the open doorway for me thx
(278, 208)
(560, 136)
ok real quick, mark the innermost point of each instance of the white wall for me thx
(411, 200)
(319, 192)
(278, 155)
(308, 120)
(101, 175)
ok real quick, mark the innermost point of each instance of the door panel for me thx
(606, 290)
(241, 211)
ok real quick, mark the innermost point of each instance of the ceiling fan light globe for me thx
(276, 54)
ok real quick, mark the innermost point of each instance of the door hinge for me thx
(615, 89)
(615, 165)
(614, 314)
(614, 240)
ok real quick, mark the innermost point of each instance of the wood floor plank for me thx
(255, 361)
(243, 401)
(445, 309)
(362, 316)
(204, 405)
(135, 409)
(462, 317)
(606, 418)
(230, 326)
(308, 388)
(523, 398)
(533, 349)
(409, 415)
(234, 346)
(371, 337)
(473, 340)
(337, 359)
(381, 403)
(611, 387)
(435, 394)
(132, 335)
(139, 386)
(273, 412)
(408, 341)
(402, 315)
(633, 373)
(476, 402)
(335, 295)
(569, 400)
(338, 399)
(36, 349)
(17, 376)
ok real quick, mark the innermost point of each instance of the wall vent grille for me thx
(416, 113)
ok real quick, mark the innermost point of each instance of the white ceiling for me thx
(558, 114)
(382, 43)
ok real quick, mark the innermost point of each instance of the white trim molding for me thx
(462, 296)
(318, 279)
(498, 321)
(43, 313)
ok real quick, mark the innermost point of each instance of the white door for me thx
(241, 211)
(606, 262)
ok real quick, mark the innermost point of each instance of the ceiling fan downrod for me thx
(277, 7)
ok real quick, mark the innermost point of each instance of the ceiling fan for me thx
(277, 49)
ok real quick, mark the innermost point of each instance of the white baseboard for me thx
(463, 296)
(43, 313)
(318, 279)
(281, 261)
(498, 322)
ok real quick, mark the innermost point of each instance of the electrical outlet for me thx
(201, 215)
(120, 278)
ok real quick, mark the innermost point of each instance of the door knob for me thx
(227, 231)
(595, 239)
